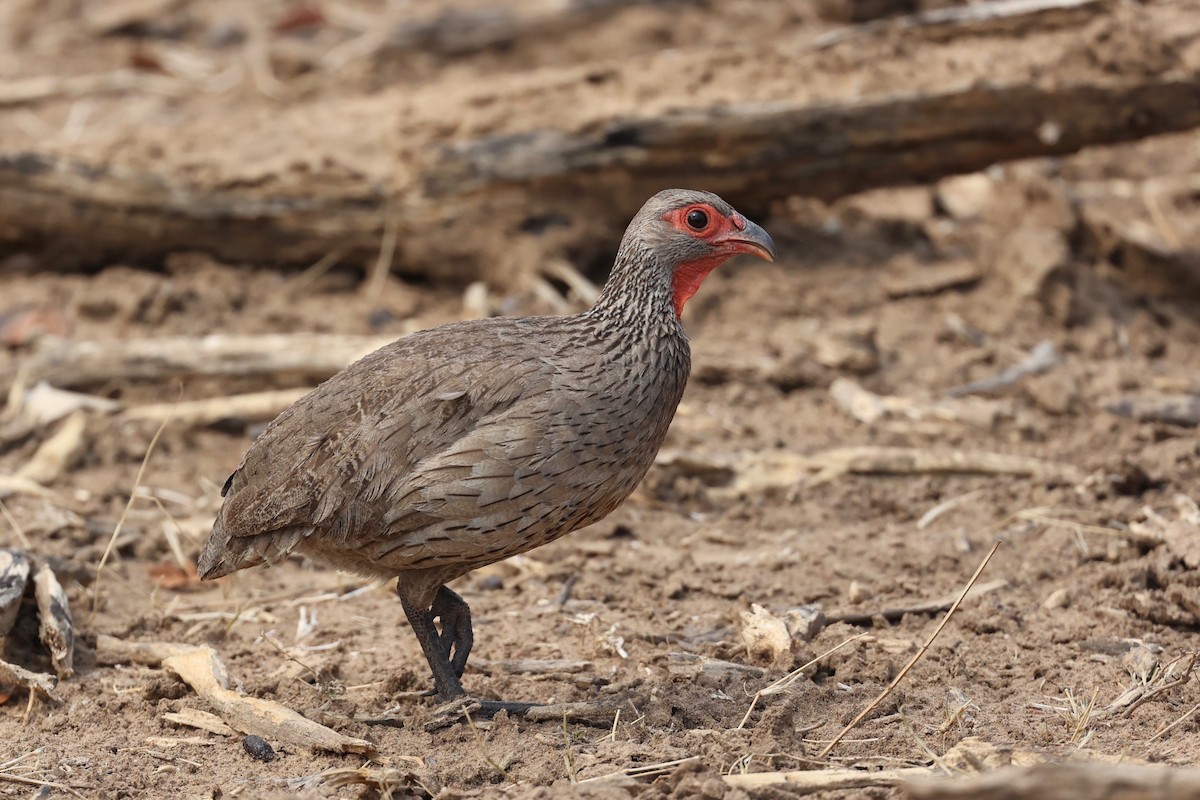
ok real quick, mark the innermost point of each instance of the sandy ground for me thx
(909, 293)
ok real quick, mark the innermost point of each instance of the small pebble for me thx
(1059, 598)
(259, 748)
(858, 593)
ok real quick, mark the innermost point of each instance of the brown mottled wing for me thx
(335, 459)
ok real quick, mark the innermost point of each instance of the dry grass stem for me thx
(646, 770)
(1150, 692)
(137, 482)
(941, 508)
(483, 750)
(1182, 719)
(786, 682)
(22, 539)
(8, 776)
(308, 277)
(387, 251)
(807, 781)
(912, 662)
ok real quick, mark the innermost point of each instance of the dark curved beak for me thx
(751, 240)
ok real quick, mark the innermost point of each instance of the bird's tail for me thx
(224, 554)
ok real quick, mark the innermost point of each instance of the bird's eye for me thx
(697, 220)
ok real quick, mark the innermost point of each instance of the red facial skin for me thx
(722, 233)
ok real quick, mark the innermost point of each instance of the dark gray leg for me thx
(457, 635)
(456, 638)
(445, 679)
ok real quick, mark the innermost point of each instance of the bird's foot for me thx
(465, 707)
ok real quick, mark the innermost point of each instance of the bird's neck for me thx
(638, 296)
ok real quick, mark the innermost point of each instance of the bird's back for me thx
(455, 447)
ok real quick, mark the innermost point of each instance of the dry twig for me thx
(787, 681)
(921, 607)
(912, 662)
(137, 481)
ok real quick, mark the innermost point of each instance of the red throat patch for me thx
(688, 277)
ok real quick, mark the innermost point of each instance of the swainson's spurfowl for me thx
(471, 442)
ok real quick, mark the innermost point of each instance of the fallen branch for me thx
(584, 711)
(203, 670)
(816, 780)
(453, 203)
(966, 19)
(111, 651)
(531, 666)
(255, 406)
(202, 720)
(455, 32)
(57, 453)
(913, 461)
(1067, 781)
(692, 665)
(746, 473)
(14, 484)
(12, 675)
(1044, 356)
(121, 81)
(71, 364)
(868, 407)
(923, 607)
(1174, 409)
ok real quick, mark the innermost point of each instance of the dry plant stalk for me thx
(1066, 781)
(806, 781)
(785, 683)
(912, 662)
(203, 670)
(922, 607)
(137, 482)
(1172, 726)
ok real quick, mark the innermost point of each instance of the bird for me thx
(464, 444)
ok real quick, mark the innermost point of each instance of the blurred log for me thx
(1064, 782)
(863, 10)
(253, 407)
(1174, 409)
(883, 15)
(70, 363)
(459, 209)
(770, 152)
(458, 32)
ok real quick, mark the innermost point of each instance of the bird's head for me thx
(690, 233)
